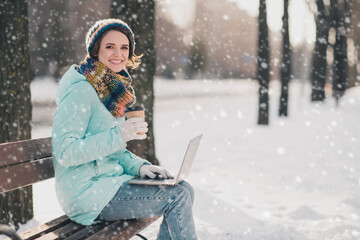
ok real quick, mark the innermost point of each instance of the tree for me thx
(61, 54)
(340, 63)
(50, 38)
(285, 69)
(197, 58)
(140, 15)
(335, 16)
(354, 42)
(263, 66)
(319, 64)
(15, 101)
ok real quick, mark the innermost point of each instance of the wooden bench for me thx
(27, 162)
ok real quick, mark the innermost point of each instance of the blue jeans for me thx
(174, 202)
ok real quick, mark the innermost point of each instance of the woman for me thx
(90, 133)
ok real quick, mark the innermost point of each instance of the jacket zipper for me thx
(96, 168)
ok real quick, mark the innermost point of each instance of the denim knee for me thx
(189, 188)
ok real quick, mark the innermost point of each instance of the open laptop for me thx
(184, 169)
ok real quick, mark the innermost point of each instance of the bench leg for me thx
(8, 231)
(141, 236)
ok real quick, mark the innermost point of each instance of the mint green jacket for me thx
(89, 154)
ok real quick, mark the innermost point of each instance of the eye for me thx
(108, 47)
(125, 48)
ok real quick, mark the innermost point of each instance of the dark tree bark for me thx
(263, 66)
(340, 63)
(285, 69)
(140, 15)
(319, 64)
(15, 101)
(353, 8)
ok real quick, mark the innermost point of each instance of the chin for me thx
(116, 69)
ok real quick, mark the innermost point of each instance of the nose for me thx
(117, 52)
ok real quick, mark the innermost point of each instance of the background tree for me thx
(263, 66)
(15, 101)
(340, 11)
(354, 43)
(197, 58)
(62, 54)
(140, 15)
(319, 64)
(285, 69)
(52, 50)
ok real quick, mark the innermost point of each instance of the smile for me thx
(116, 61)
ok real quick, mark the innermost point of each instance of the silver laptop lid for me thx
(188, 158)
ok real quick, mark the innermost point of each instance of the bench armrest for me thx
(8, 231)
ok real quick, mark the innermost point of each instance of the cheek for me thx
(102, 55)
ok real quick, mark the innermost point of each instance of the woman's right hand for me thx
(131, 127)
(153, 171)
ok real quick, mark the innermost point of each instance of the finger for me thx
(151, 174)
(141, 130)
(168, 174)
(130, 120)
(140, 136)
(135, 120)
(161, 172)
(140, 124)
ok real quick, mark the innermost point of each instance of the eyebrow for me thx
(115, 44)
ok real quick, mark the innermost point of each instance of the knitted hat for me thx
(102, 26)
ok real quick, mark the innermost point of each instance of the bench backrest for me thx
(25, 162)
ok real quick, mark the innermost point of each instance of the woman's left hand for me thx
(153, 171)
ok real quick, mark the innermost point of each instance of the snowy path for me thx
(295, 179)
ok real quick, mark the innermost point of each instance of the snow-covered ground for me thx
(298, 178)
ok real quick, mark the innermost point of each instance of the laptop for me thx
(184, 169)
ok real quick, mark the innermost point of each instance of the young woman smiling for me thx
(89, 138)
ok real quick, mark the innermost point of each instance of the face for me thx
(114, 50)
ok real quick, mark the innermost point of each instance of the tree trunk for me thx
(286, 63)
(354, 40)
(61, 52)
(319, 64)
(15, 101)
(354, 37)
(140, 15)
(197, 59)
(263, 66)
(340, 64)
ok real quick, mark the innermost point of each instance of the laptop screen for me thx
(189, 158)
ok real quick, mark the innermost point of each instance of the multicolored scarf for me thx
(113, 89)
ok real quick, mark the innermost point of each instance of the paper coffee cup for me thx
(138, 111)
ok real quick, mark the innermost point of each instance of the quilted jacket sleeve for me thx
(131, 163)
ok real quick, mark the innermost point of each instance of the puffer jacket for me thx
(90, 158)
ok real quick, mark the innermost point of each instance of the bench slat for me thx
(63, 228)
(24, 174)
(123, 230)
(62, 232)
(88, 231)
(45, 228)
(26, 150)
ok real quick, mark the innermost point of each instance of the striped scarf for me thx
(113, 89)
